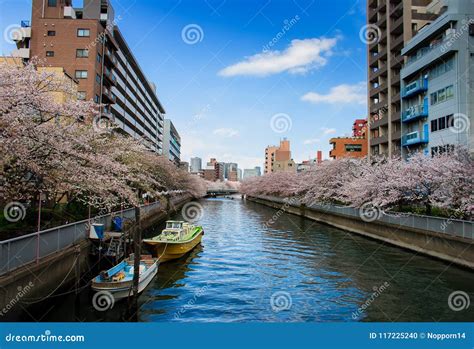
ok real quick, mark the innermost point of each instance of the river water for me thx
(292, 270)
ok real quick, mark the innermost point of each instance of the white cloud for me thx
(300, 57)
(340, 94)
(328, 131)
(226, 132)
(312, 141)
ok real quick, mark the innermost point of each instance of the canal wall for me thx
(450, 240)
(37, 266)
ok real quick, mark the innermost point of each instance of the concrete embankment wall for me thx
(448, 247)
(57, 272)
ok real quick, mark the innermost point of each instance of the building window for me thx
(96, 99)
(51, 32)
(52, 3)
(83, 32)
(82, 53)
(99, 58)
(434, 125)
(97, 78)
(81, 74)
(442, 95)
(353, 147)
(81, 95)
(49, 53)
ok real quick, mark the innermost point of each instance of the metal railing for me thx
(29, 248)
(449, 226)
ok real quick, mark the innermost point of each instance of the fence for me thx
(448, 226)
(28, 248)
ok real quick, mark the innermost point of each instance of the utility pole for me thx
(137, 238)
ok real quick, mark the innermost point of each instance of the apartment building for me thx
(88, 44)
(396, 22)
(278, 157)
(251, 172)
(172, 142)
(437, 96)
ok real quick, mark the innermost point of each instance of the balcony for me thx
(433, 46)
(110, 76)
(396, 10)
(21, 34)
(108, 96)
(378, 140)
(416, 112)
(110, 57)
(416, 137)
(69, 12)
(21, 53)
(414, 88)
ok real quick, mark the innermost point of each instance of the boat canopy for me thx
(174, 225)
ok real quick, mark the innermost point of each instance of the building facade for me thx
(171, 142)
(88, 44)
(437, 96)
(278, 158)
(252, 172)
(395, 23)
(343, 147)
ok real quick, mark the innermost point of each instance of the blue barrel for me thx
(117, 223)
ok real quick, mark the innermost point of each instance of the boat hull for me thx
(124, 289)
(166, 251)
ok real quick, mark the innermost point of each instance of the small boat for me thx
(177, 239)
(118, 280)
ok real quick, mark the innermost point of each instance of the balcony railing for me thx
(416, 112)
(425, 50)
(416, 137)
(415, 87)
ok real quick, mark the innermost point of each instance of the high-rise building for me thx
(196, 165)
(88, 44)
(437, 98)
(278, 158)
(252, 172)
(171, 142)
(229, 167)
(394, 23)
(359, 127)
(214, 170)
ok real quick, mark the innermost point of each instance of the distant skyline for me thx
(237, 76)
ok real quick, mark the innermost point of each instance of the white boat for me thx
(118, 280)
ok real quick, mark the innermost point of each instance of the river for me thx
(296, 270)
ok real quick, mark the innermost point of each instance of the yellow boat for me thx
(177, 239)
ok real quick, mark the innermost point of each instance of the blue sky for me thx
(229, 92)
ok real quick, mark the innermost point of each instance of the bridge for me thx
(213, 192)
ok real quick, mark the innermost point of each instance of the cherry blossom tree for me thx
(49, 145)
